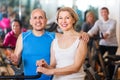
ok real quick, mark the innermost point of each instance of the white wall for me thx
(50, 7)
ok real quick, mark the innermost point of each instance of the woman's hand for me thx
(45, 70)
(41, 63)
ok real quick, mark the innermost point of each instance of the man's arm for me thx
(94, 30)
(15, 57)
(111, 29)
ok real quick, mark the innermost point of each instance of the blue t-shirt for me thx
(36, 48)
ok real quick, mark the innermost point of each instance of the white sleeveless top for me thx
(65, 57)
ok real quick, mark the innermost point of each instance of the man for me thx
(34, 45)
(107, 27)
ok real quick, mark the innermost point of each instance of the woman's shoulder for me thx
(77, 35)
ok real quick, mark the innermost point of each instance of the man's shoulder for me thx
(99, 22)
(50, 34)
(27, 33)
(112, 20)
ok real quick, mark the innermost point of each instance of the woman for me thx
(90, 20)
(11, 37)
(86, 26)
(66, 57)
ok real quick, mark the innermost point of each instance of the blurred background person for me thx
(90, 20)
(108, 43)
(11, 37)
(86, 26)
(5, 25)
(10, 42)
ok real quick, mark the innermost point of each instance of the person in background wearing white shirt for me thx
(108, 43)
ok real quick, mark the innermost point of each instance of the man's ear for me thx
(30, 21)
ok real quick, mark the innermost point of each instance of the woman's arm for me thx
(75, 67)
(52, 58)
(78, 62)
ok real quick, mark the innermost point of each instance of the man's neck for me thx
(38, 33)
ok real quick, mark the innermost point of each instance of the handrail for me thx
(21, 76)
(5, 47)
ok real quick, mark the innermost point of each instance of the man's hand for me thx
(84, 36)
(105, 35)
(13, 58)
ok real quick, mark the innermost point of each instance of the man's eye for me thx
(40, 17)
(35, 17)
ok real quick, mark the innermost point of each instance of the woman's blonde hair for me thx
(71, 11)
(90, 13)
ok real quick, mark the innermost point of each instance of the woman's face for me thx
(65, 20)
(16, 27)
(90, 18)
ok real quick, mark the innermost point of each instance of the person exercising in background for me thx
(11, 37)
(108, 43)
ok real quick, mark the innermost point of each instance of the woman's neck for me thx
(69, 33)
(17, 34)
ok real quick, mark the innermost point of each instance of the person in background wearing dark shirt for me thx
(86, 26)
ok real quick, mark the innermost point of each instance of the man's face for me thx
(104, 14)
(38, 20)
